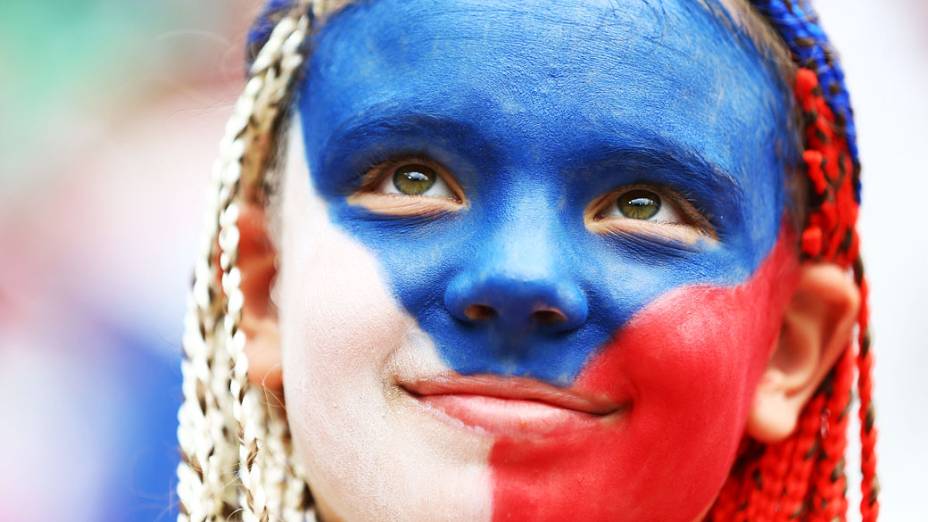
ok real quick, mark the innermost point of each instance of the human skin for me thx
(535, 112)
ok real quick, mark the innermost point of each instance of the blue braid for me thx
(798, 25)
(263, 26)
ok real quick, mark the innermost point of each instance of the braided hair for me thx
(235, 447)
(236, 453)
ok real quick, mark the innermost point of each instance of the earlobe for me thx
(257, 260)
(817, 327)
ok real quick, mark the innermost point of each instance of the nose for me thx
(517, 302)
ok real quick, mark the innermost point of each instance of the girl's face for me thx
(533, 259)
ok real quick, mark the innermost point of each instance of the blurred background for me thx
(110, 112)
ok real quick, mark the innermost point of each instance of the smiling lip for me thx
(511, 406)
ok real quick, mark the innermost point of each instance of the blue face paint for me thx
(537, 110)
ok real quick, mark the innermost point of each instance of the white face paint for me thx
(371, 452)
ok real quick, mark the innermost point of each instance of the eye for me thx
(416, 179)
(409, 187)
(644, 205)
(649, 211)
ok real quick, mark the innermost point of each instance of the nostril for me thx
(548, 317)
(479, 312)
(507, 306)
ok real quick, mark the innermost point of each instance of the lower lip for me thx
(512, 417)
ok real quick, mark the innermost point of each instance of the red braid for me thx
(802, 461)
(869, 486)
(773, 470)
(828, 499)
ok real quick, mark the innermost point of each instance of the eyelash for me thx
(400, 205)
(377, 172)
(696, 225)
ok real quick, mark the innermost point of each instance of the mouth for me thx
(511, 406)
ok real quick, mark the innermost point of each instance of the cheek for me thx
(689, 363)
(338, 326)
(339, 323)
(336, 313)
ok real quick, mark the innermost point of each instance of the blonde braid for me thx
(287, 490)
(202, 477)
(274, 470)
(197, 502)
(226, 454)
(224, 423)
(243, 161)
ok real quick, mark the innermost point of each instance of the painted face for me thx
(539, 262)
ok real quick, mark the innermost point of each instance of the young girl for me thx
(537, 260)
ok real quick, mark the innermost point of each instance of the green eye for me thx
(414, 180)
(639, 204)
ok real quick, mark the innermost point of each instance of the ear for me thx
(817, 328)
(257, 260)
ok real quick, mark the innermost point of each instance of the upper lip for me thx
(512, 388)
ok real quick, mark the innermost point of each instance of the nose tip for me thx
(517, 306)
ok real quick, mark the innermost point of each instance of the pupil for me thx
(414, 180)
(639, 204)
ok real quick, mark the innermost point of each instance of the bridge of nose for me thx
(524, 239)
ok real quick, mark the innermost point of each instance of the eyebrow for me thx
(380, 124)
(636, 147)
(388, 120)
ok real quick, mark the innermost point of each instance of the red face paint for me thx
(687, 365)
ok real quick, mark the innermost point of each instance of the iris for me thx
(414, 180)
(639, 204)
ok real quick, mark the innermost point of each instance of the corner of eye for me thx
(706, 240)
(595, 224)
(694, 235)
(358, 199)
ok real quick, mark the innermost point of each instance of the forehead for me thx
(570, 72)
